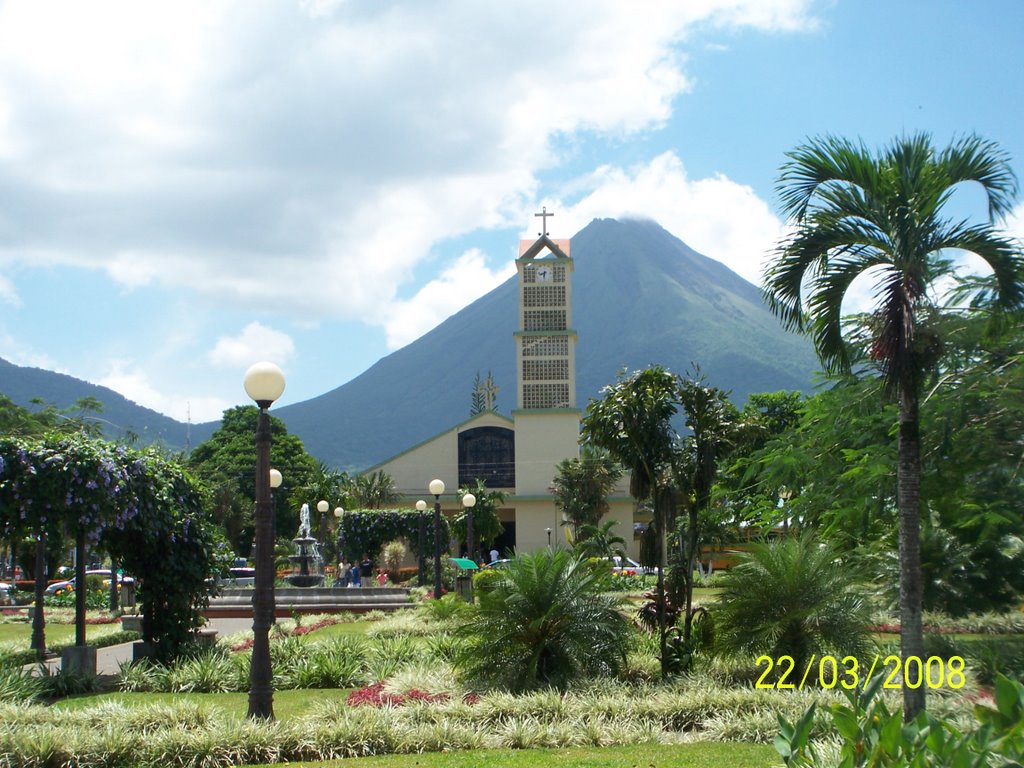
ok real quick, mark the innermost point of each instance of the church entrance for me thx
(506, 542)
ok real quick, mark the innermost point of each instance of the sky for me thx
(187, 188)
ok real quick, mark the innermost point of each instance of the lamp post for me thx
(468, 502)
(421, 506)
(436, 488)
(548, 531)
(264, 383)
(322, 507)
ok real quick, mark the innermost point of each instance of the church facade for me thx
(518, 456)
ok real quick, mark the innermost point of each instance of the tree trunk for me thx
(38, 621)
(81, 588)
(908, 500)
(691, 555)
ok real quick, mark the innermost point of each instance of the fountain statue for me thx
(308, 554)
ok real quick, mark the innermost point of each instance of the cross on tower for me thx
(543, 215)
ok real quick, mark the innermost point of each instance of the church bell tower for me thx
(547, 421)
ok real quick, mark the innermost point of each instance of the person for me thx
(494, 555)
(341, 580)
(382, 577)
(355, 581)
(366, 568)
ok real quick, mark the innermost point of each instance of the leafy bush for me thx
(792, 597)
(874, 736)
(545, 623)
(485, 580)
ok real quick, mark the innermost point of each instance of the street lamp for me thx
(468, 502)
(264, 383)
(548, 531)
(421, 506)
(321, 507)
(338, 514)
(436, 488)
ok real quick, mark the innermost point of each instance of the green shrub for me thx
(874, 736)
(545, 623)
(485, 580)
(793, 597)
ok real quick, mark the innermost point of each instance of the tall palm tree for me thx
(633, 422)
(854, 211)
(714, 423)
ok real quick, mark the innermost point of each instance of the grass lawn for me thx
(699, 755)
(338, 630)
(56, 634)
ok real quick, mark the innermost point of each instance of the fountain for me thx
(308, 553)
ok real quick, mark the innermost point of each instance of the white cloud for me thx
(255, 153)
(463, 282)
(134, 384)
(256, 342)
(8, 293)
(717, 217)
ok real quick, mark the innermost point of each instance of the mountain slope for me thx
(641, 297)
(119, 417)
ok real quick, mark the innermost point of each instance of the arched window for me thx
(487, 454)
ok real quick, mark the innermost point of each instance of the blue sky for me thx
(189, 187)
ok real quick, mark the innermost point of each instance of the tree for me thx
(486, 523)
(855, 212)
(373, 491)
(633, 422)
(226, 462)
(713, 423)
(581, 487)
(600, 541)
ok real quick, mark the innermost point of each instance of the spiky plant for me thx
(792, 597)
(545, 624)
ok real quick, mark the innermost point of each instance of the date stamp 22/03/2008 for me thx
(846, 672)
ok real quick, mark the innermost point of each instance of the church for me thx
(518, 456)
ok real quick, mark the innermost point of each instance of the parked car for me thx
(5, 592)
(628, 566)
(60, 587)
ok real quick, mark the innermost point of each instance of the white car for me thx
(60, 587)
(5, 592)
(628, 566)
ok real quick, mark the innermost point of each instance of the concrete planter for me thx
(131, 623)
(79, 658)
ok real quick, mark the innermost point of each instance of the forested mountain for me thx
(640, 296)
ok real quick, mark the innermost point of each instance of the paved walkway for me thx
(110, 658)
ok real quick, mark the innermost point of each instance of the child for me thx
(382, 577)
(356, 581)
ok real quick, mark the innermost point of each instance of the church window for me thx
(487, 454)
(546, 395)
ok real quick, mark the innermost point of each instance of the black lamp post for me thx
(436, 488)
(421, 506)
(548, 530)
(264, 383)
(468, 502)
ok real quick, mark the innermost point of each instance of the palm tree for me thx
(856, 212)
(714, 422)
(600, 541)
(545, 623)
(581, 487)
(632, 421)
(794, 597)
